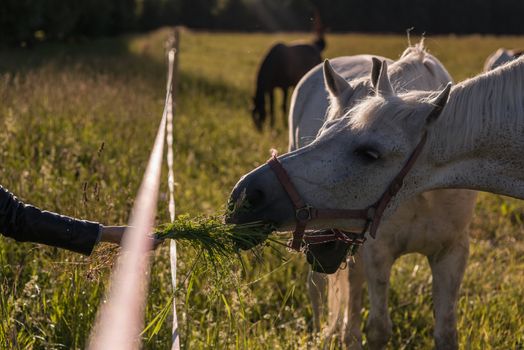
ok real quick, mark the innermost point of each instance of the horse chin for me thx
(285, 227)
(327, 257)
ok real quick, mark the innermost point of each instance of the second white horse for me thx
(433, 224)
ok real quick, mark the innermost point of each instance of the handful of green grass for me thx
(213, 237)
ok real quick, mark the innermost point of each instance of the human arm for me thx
(26, 223)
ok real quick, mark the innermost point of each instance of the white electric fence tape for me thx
(121, 316)
(171, 105)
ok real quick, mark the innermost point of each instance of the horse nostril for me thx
(243, 201)
(255, 198)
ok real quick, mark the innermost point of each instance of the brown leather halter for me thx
(372, 214)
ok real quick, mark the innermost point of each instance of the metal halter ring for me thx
(306, 210)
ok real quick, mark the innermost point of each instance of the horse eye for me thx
(369, 154)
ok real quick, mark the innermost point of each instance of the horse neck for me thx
(478, 142)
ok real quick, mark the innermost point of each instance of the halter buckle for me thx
(303, 214)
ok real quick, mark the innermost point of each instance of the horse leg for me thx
(284, 106)
(447, 269)
(377, 264)
(316, 290)
(352, 331)
(272, 108)
(337, 301)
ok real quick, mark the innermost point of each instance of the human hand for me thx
(114, 234)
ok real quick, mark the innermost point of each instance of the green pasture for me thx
(77, 123)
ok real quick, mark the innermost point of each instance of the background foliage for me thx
(25, 22)
(77, 123)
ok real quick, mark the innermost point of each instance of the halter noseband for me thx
(372, 214)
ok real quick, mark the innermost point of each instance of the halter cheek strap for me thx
(395, 185)
(371, 215)
(305, 213)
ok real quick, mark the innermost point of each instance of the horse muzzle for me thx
(258, 197)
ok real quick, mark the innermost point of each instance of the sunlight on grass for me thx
(76, 126)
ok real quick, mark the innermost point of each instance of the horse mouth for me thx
(255, 231)
(323, 257)
(257, 224)
(252, 234)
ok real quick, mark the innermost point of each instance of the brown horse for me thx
(282, 67)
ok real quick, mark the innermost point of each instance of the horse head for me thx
(352, 163)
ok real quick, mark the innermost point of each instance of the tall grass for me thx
(76, 124)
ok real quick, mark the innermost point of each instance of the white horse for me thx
(500, 57)
(473, 141)
(433, 224)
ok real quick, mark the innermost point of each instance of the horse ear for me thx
(384, 87)
(439, 103)
(375, 71)
(334, 82)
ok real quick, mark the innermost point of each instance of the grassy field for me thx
(76, 126)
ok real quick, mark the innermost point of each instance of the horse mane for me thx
(483, 105)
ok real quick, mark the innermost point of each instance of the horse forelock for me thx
(338, 106)
(389, 110)
(418, 50)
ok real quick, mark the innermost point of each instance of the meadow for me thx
(77, 123)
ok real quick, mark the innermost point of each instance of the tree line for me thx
(24, 22)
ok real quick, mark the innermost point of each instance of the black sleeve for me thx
(26, 223)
